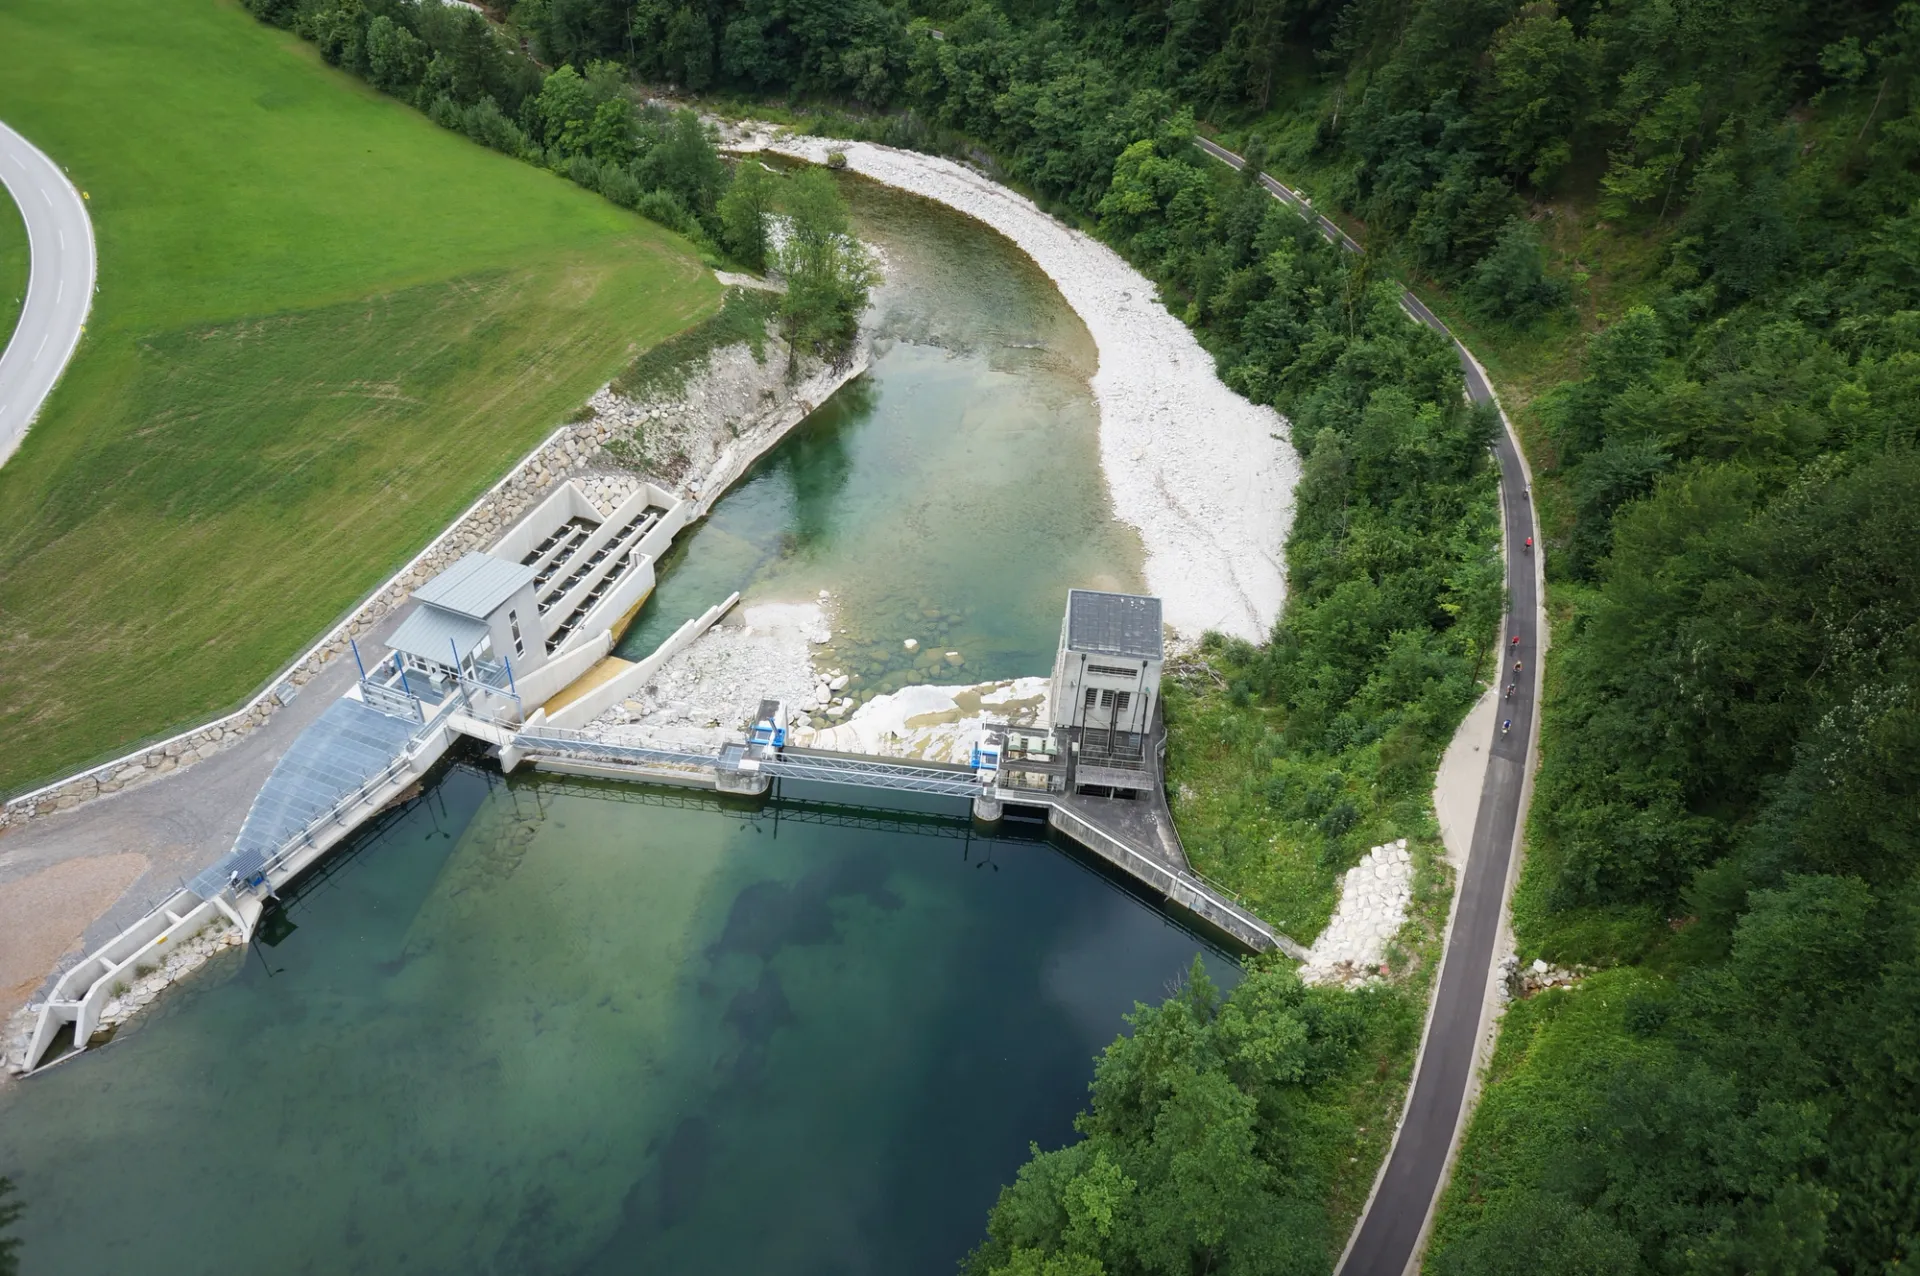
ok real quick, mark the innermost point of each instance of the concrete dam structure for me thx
(510, 648)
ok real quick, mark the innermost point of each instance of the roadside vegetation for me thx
(1682, 237)
(323, 327)
(13, 266)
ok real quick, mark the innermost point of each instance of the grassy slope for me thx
(13, 266)
(324, 325)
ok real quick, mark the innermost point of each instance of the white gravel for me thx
(939, 724)
(1374, 895)
(703, 697)
(1206, 476)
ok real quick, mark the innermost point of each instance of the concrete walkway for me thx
(59, 284)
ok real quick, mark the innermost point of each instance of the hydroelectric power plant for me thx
(509, 648)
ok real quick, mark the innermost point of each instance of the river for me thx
(532, 1025)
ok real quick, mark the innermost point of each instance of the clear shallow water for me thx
(535, 1026)
(953, 494)
(531, 1027)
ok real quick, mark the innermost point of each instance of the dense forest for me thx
(1691, 228)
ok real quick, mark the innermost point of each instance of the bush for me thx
(1511, 284)
(619, 185)
(744, 211)
(829, 273)
(661, 206)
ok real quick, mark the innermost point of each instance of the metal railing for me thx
(569, 742)
(392, 701)
(901, 777)
(216, 878)
(1157, 873)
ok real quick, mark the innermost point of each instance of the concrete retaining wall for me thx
(613, 691)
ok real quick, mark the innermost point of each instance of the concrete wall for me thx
(1073, 674)
(538, 688)
(613, 691)
(533, 652)
(565, 502)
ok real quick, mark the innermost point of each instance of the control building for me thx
(1106, 689)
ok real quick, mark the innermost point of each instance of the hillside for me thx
(323, 326)
(1681, 234)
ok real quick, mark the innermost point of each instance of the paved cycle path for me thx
(1389, 1232)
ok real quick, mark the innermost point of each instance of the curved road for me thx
(59, 284)
(1390, 1231)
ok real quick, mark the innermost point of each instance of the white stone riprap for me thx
(939, 724)
(702, 697)
(1374, 895)
(703, 437)
(1206, 476)
(1538, 976)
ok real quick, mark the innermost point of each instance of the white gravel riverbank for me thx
(705, 695)
(936, 723)
(1205, 476)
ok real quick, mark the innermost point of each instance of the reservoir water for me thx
(533, 1025)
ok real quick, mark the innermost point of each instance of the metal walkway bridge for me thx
(1112, 831)
(765, 763)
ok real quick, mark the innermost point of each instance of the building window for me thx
(1093, 696)
(1121, 700)
(513, 623)
(1111, 671)
(1106, 699)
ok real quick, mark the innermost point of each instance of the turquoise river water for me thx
(532, 1025)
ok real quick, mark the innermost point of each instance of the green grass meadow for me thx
(323, 326)
(13, 266)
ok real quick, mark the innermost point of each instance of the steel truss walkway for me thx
(874, 773)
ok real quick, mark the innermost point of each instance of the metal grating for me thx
(329, 760)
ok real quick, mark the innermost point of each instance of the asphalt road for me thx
(59, 284)
(1389, 1231)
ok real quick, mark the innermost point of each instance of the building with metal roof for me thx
(565, 576)
(432, 635)
(1106, 688)
(477, 586)
(1115, 624)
